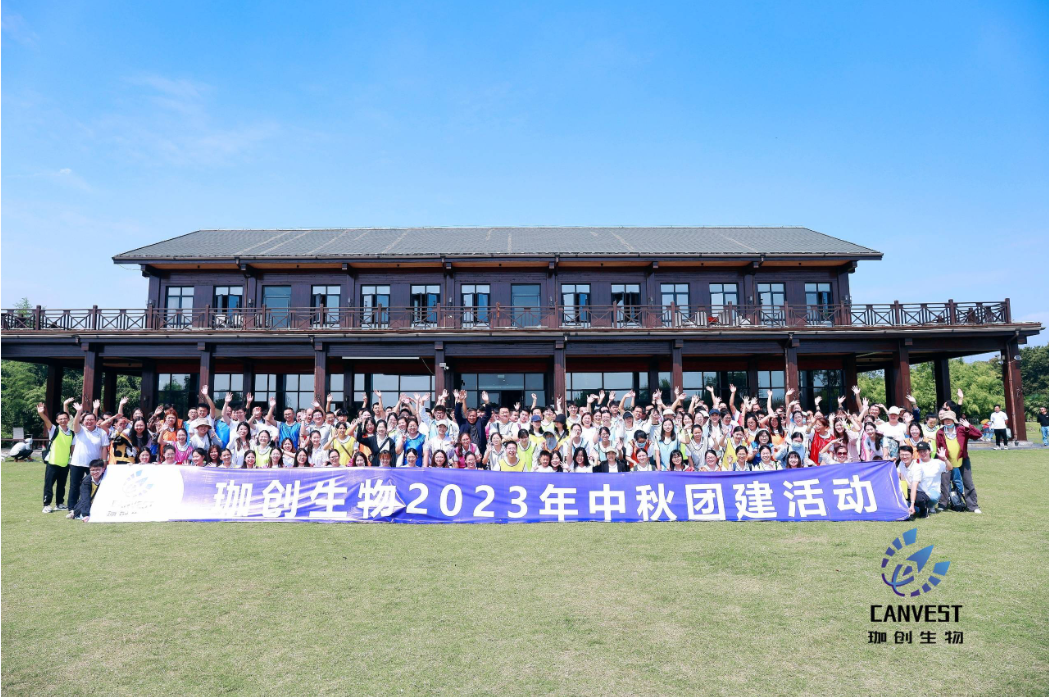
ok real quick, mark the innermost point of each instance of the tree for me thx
(1034, 369)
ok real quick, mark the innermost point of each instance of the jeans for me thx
(76, 477)
(1001, 437)
(1045, 435)
(55, 478)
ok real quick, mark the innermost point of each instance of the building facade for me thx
(299, 314)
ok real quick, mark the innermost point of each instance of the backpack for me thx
(957, 500)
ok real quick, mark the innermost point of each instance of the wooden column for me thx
(53, 391)
(901, 374)
(109, 390)
(148, 401)
(941, 369)
(92, 375)
(1014, 394)
(677, 371)
(559, 372)
(440, 374)
(752, 378)
(320, 373)
(653, 375)
(790, 360)
(249, 377)
(207, 368)
(349, 405)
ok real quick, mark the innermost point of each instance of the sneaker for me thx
(61, 507)
(47, 509)
(1005, 447)
(977, 510)
(70, 514)
(934, 511)
(997, 448)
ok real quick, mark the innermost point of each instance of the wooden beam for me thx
(53, 391)
(207, 367)
(148, 400)
(1014, 393)
(790, 361)
(440, 372)
(941, 368)
(559, 371)
(677, 374)
(92, 388)
(901, 369)
(109, 390)
(320, 373)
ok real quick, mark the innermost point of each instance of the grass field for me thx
(656, 608)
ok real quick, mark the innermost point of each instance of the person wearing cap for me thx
(953, 439)
(625, 427)
(442, 442)
(202, 435)
(893, 429)
(88, 489)
(440, 416)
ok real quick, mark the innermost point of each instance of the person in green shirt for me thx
(59, 450)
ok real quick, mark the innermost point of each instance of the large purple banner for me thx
(136, 493)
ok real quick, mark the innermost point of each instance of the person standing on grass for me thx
(1000, 424)
(953, 438)
(88, 489)
(92, 444)
(59, 451)
(1043, 422)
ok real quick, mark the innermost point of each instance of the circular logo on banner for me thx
(907, 576)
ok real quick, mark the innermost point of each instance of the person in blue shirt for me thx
(290, 428)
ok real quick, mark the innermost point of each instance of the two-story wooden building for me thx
(297, 314)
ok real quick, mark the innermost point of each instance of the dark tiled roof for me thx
(497, 241)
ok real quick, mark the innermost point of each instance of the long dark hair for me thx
(143, 442)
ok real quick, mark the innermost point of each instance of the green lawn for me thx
(651, 608)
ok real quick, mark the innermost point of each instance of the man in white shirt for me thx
(893, 428)
(926, 476)
(91, 444)
(999, 424)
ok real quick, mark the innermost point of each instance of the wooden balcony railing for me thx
(502, 317)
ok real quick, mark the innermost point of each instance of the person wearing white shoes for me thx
(56, 456)
(954, 438)
(999, 424)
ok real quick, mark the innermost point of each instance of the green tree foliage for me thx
(872, 387)
(1034, 368)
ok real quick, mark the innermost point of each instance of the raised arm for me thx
(211, 403)
(268, 418)
(42, 411)
(77, 418)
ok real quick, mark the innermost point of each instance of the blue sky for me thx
(919, 129)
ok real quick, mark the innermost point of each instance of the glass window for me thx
(696, 382)
(526, 310)
(575, 297)
(375, 307)
(771, 297)
(774, 380)
(174, 389)
(277, 300)
(228, 382)
(580, 385)
(425, 300)
(504, 389)
(179, 305)
(723, 294)
(819, 304)
(228, 298)
(475, 299)
(325, 302)
(675, 294)
(359, 394)
(826, 384)
(626, 297)
(265, 387)
(298, 391)
(392, 386)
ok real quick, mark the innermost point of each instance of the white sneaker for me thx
(47, 509)
(62, 507)
(977, 511)
(997, 448)
(1005, 447)
(70, 514)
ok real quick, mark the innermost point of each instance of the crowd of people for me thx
(601, 435)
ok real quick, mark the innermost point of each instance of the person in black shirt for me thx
(1043, 421)
(473, 423)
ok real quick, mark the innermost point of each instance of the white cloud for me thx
(15, 26)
